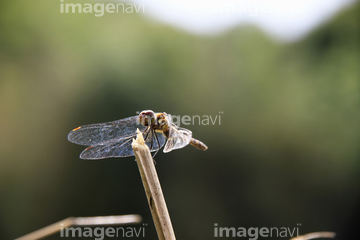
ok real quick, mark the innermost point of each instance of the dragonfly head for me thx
(147, 118)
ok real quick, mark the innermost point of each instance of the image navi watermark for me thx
(196, 119)
(100, 7)
(253, 233)
(99, 233)
(186, 120)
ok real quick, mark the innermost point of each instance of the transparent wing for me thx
(120, 147)
(99, 133)
(178, 138)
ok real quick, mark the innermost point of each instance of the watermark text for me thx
(99, 8)
(99, 233)
(253, 233)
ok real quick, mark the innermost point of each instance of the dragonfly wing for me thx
(121, 148)
(99, 133)
(151, 141)
(178, 138)
(169, 145)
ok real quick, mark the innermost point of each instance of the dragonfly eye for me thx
(147, 117)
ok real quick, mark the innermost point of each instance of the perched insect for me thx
(113, 139)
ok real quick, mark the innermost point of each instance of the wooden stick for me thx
(153, 190)
(81, 221)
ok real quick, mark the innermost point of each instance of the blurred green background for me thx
(286, 152)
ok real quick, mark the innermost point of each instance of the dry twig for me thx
(153, 190)
(81, 221)
(315, 235)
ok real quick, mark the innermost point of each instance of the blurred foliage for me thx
(286, 152)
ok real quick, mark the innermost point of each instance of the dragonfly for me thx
(113, 139)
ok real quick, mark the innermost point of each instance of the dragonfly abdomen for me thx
(198, 144)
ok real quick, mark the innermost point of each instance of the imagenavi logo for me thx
(99, 233)
(253, 233)
(200, 120)
(100, 7)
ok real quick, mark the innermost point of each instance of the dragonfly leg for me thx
(147, 133)
(157, 140)
(152, 139)
(155, 155)
(158, 145)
